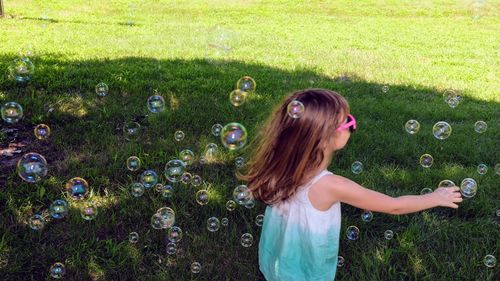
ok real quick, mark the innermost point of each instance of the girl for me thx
(288, 171)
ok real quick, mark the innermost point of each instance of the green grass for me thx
(418, 48)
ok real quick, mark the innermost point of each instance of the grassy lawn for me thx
(418, 49)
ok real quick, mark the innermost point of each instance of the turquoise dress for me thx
(299, 242)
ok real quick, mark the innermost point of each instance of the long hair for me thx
(288, 148)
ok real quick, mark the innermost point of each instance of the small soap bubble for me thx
(186, 178)
(131, 131)
(426, 160)
(213, 224)
(57, 270)
(340, 261)
(156, 104)
(241, 194)
(246, 84)
(159, 187)
(42, 132)
(196, 180)
(59, 209)
(202, 197)
(446, 183)
(239, 162)
(246, 240)
(133, 163)
(453, 102)
(179, 135)
(468, 187)
(441, 130)
(367, 216)
(412, 127)
(230, 205)
(482, 169)
(36, 222)
(357, 167)
(259, 220)
(32, 167)
(137, 189)
(480, 127)
(12, 112)
(234, 136)
(195, 267)
(174, 170)
(237, 97)
(171, 248)
(295, 109)
(133, 237)
(187, 156)
(216, 129)
(77, 188)
(88, 211)
(167, 217)
(451, 98)
(210, 151)
(385, 88)
(21, 69)
(425, 190)
(149, 179)
(224, 221)
(167, 191)
(174, 234)
(490, 261)
(352, 233)
(101, 89)
(388, 234)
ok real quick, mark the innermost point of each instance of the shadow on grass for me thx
(88, 141)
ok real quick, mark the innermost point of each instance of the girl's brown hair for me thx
(287, 148)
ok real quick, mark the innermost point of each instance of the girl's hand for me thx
(447, 196)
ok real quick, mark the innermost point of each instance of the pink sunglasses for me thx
(350, 124)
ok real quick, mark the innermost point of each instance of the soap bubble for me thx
(31, 167)
(167, 216)
(385, 88)
(490, 261)
(156, 103)
(174, 234)
(42, 131)
(36, 222)
(468, 187)
(171, 248)
(187, 156)
(167, 191)
(224, 221)
(218, 44)
(12, 112)
(340, 261)
(426, 160)
(21, 69)
(259, 220)
(451, 98)
(196, 180)
(77, 188)
(179, 135)
(137, 189)
(295, 109)
(412, 127)
(230, 205)
(149, 179)
(101, 89)
(59, 209)
(159, 187)
(213, 224)
(216, 129)
(234, 136)
(202, 197)
(388, 234)
(211, 151)
(246, 84)
(195, 267)
(203, 160)
(441, 130)
(352, 233)
(174, 170)
(357, 167)
(482, 169)
(453, 102)
(239, 162)
(186, 178)
(133, 163)
(498, 213)
(133, 237)
(250, 203)
(131, 130)
(446, 183)
(480, 127)
(88, 211)
(237, 97)
(57, 270)
(367, 216)
(241, 194)
(246, 240)
(425, 190)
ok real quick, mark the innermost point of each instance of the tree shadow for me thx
(88, 141)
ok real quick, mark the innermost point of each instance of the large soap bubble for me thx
(174, 170)
(441, 130)
(77, 188)
(12, 112)
(246, 84)
(156, 103)
(468, 188)
(234, 136)
(32, 167)
(21, 69)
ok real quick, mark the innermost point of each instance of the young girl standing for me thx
(288, 171)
